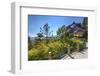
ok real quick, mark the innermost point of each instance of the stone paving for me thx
(77, 55)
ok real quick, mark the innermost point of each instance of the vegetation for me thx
(46, 46)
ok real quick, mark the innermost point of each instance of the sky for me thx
(37, 21)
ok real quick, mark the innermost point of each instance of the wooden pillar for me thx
(68, 49)
(78, 45)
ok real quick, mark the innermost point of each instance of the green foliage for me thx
(85, 27)
(62, 32)
(40, 51)
(29, 43)
(40, 35)
(46, 29)
(85, 21)
(82, 46)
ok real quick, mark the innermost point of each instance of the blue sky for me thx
(37, 21)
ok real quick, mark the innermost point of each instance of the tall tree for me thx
(62, 31)
(29, 43)
(40, 35)
(46, 30)
(85, 27)
(85, 21)
(63, 34)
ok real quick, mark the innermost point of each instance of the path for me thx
(77, 55)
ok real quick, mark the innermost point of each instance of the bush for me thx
(58, 48)
(39, 52)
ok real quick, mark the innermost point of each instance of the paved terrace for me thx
(77, 55)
